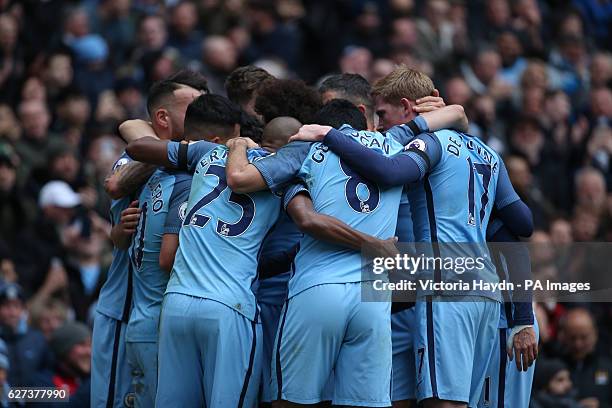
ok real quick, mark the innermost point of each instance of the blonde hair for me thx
(403, 82)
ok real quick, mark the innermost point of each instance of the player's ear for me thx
(361, 108)
(407, 105)
(162, 118)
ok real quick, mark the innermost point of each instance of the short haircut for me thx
(164, 88)
(352, 87)
(403, 82)
(208, 111)
(242, 83)
(287, 97)
(251, 127)
(338, 112)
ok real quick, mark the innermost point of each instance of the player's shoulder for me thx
(121, 161)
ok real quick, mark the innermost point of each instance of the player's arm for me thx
(242, 176)
(272, 172)
(448, 117)
(170, 243)
(177, 155)
(410, 166)
(126, 179)
(511, 210)
(325, 228)
(522, 342)
(121, 233)
(176, 207)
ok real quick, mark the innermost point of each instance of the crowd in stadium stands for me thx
(535, 78)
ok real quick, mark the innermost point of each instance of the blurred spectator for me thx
(482, 75)
(58, 74)
(71, 345)
(184, 35)
(513, 63)
(590, 194)
(435, 33)
(47, 316)
(270, 37)
(73, 110)
(130, 98)
(483, 121)
(4, 384)
(403, 34)
(457, 91)
(526, 187)
(27, 347)
(36, 142)
(598, 16)
(220, 58)
(11, 59)
(113, 21)
(381, 67)
(92, 73)
(9, 126)
(590, 368)
(552, 386)
(17, 210)
(356, 60)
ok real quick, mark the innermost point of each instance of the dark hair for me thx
(242, 82)
(209, 110)
(352, 87)
(338, 112)
(287, 97)
(165, 87)
(251, 127)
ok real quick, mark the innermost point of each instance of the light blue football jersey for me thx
(453, 202)
(115, 297)
(222, 232)
(162, 201)
(338, 191)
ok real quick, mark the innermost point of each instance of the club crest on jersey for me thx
(365, 207)
(416, 144)
(120, 163)
(224, 230)
(183, 211)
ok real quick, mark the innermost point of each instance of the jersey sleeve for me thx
(505, 194)
(518, 264)
(292, 191)
(406, 132)
(409, 166)
(177, 204)
(185, 156)
(281, 168)
(121, 161)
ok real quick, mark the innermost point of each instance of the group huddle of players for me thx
(236, 279)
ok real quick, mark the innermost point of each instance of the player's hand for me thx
(384, 247)
(524, 347)
(129, 218)
(429, 103)
(311, 133)
(232, 143)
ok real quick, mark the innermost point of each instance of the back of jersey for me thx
(221, 237)
(340, 192)
(163, 193)
(452, 204)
